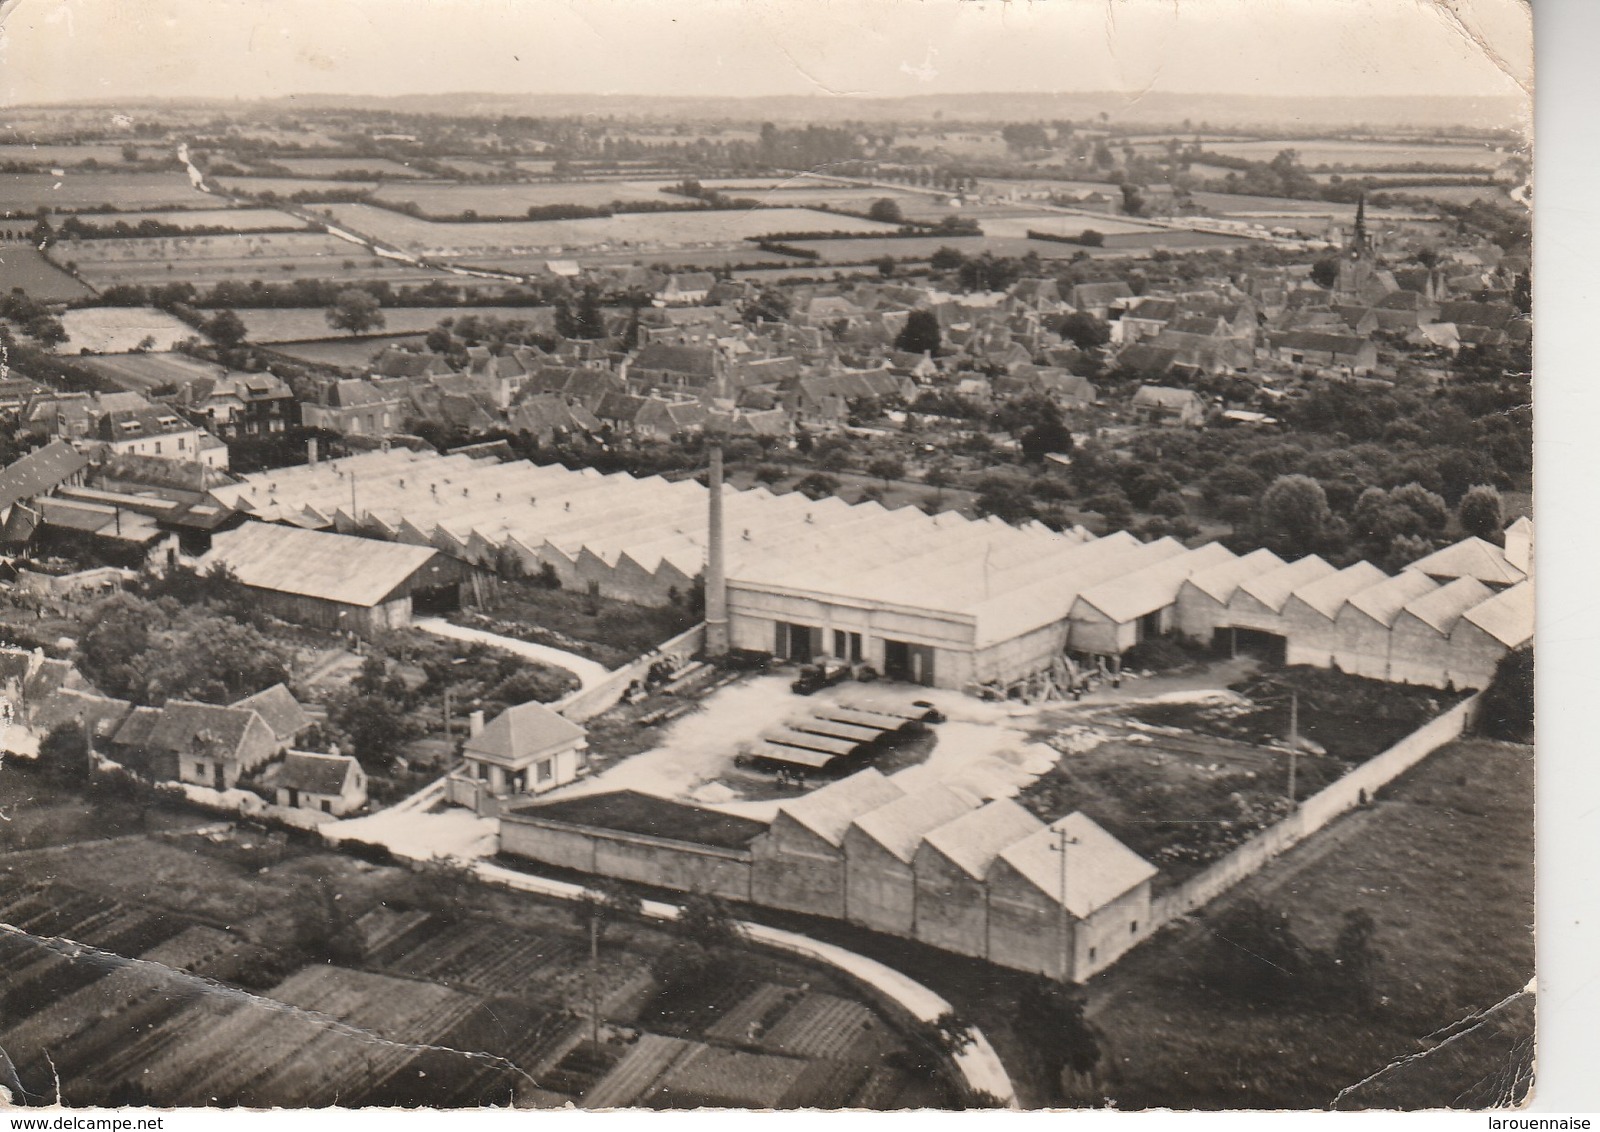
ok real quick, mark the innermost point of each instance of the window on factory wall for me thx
(847, 646)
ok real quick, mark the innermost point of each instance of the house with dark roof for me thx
(356, 408)
(328, 784)
(1147, 318)
(527, 749)
(202, 744)
(686, 289)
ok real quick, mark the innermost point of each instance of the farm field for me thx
(627, 229)
(1061, 224)
(1442, 860)
(69, 155)
(684, 257)
(1358, 155)
(922, 247)
(1171, 239)
(332, 166)
(1231, 204)
(206, 260)
(352, 355)
(29, 192)
(239, 219)
(142, 372)
(1457, 194)
(473, 167)
(25, 266)
(287, 186)
(119, 330)
(438, 198)
(305, 324)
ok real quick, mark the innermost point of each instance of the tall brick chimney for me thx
(716, 575)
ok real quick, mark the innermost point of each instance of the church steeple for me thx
(1360, 243)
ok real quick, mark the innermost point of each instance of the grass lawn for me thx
(1443, 862)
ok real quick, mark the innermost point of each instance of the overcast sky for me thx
(60, 50)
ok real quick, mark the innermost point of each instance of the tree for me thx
(769, 305)
(946, 259)
(45, 330)
(1325, 272)
(921, 333)
(1294, 515)
(355, 310)
(885, 210)
(604, 903)
(1505, 710)
(1132, 199)
(1051, 1025)
(589, 317)
(1480, 512)
(64, 753)
(931, 1045)
(817, 485)
(1254, 956)
(1044, 438)
(1113, 507)
(938, 476)
(226, 328)
(1090, 238)
(375, 725)
(887, 468)
(1084, 330)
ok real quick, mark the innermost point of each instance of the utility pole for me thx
(594, 975)
(1062, 841)
(448, 736)
(1294, 740)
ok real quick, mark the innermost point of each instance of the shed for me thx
(799, 862)
(1256, 607)
(1488, 631)
(334, 581)
(1203, 598)
(1110, 618)
(879, 846)
(952, 869)
(329, 784)
(1107, 901)
(1419, 641)
(1363, 629)
(1310, 611)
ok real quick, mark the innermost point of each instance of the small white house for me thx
(527, 749)
(329, 784)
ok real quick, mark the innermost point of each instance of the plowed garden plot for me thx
(26, 193)
(824, 1026)
(640, 1068)
(488, 956)
(726, 1078)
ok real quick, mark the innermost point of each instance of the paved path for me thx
(587, 671)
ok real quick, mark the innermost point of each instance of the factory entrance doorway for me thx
(903, 660)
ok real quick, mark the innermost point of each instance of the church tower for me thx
(1356, 267)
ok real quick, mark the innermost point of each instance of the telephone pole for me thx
(1294, 740)
(1062, 841)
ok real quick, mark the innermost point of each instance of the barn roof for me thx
(1442, 608)
(1472, 557)
(1099, 867)
(1384, 601)
(1221, 580)
(1273, 588)
(317, 564)
(1130, 596)
(1326, 594)
(973, 841)
(829, 811)
(1507, 617)
(899, 825)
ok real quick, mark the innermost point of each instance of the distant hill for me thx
(1157, 109)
